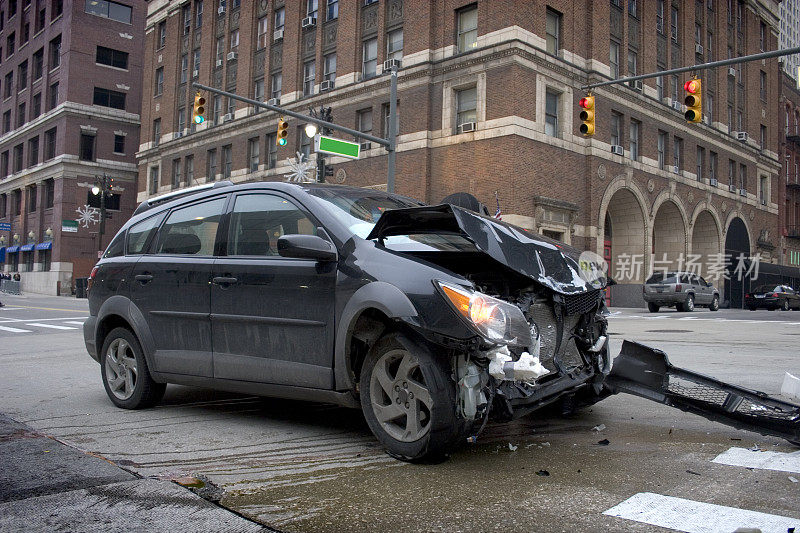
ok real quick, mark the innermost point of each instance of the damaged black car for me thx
(432, 319)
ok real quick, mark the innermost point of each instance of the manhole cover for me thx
(668, 331)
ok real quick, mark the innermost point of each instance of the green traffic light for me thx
(282, 142)
(198, 119)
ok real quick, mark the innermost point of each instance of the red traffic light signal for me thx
(587, 115)
(693, 100)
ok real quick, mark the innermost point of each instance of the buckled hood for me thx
(553, 264)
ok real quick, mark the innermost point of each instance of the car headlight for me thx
(497, 321)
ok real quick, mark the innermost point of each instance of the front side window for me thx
(259, 220)
(551, 113)
(467, 29)
(369, 58)
(191, 230)
(140, 233)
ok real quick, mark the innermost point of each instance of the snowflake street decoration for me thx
(88, 215)
(301, 170)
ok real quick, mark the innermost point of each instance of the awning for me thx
(3, 254)
(12, 249)
(26, 248)
(45, 245)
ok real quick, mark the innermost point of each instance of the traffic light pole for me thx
(388, 143)
(696, 68)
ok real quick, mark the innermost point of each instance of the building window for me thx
(33, 152)
(634, 140)
(309, 75)
(11, 42)
(333, 9)
(712, 166)
(217, 109)
(198, 17)
(211, 164)
(763, 85)
(184, 68)
(311, 8)
(38, 64)
(613, 59)
(763, 137)
(32, 198)
(18, 158)
(467, 29)
(50, 144)
(154, 180)
(119, 144)
(632, 62)
(108, 98)
(385, 111)
(86, 149)
(732, 172)
(660, 88)
(762, 41)
(234, 40)
(220, 50)
(280, 17)
(616, 129)
(553, 31)
(22, 76)
(276, 84)
(254, 153)
(231, 107)
(56, 9)
(189, 163)
(551, 113)
(272, 150)
(763, 190)
(369, 58)
(108, 9)
(305, 143)
(742, 176)
(674, 23)
(227, 161)
(156, 132)
(394, 44)
(111, 57)
(159, 86)
(9, 85)
(330, 68)
(633, 8)
(258, 93)
(36, 106)
(730, 119)
(710, 47)
(162, 33)
(7, 121)
(55, 52)
(176, 173)
(710, 108)
(263, 36)
(466, 106)
(52, 97)
(701, 161)
(662, 149)
(660, 17)
(677, 154)
(21, 115)
(195, 63)
(181, 120)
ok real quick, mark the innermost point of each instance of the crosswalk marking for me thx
(74, 322)
(766, 460)
(51, 326)
(14, 330)
(696, 517)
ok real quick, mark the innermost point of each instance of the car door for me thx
(708, 292)
(170, 287)
(271, 316)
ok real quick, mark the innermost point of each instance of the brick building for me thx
(70, 81)
(487, 101)
(790, 182)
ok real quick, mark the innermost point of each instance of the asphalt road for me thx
(309, 467)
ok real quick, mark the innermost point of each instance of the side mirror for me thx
(306, 247)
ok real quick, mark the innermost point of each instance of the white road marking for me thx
(14, 330)
(51, 326)
(696, 517)
(74, 322)
(782, 462)
(11, 320)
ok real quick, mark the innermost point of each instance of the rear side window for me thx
(140, 233)
(117, 246)
(191, 230)
(258, 220)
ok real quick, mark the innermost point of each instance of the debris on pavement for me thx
(604, 442)
(793, 479)
(693, 472)
(543, 473)
(512, 447)
(600, 427)
(791, 386)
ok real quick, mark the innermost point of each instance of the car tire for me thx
(688, 305)
(125, 374)
(750, 307)
(785, 305)
(653, 307)
(409, 400)
(714, 304)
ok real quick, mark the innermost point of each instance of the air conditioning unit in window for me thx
(326, 85)
(232, 56)
(389, 63)
(277, 35)
(675, 169)
(732, 187)
(677, 105)
(369, 2)
(195, 73)
(274, 101)
(221, 10)
(742, 192)
(698, 49)
(763, 201)
(219, 62)
(309, 22)
(617, 149)
(706, 120)
(713, 182)
(667, 101)
(741, 136)
(636, 85)
(227, 117)
(466, 127)
(732, 71)
(366, 146)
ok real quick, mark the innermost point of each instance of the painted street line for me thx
(51, 326)
(14, 330)
(74, 322)
(696, 517)
(12, 320)
(782, 462)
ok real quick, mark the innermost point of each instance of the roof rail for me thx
(168, 197)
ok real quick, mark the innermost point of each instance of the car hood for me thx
(556, 265)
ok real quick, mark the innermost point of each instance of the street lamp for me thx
(95, 190)
(311, 130)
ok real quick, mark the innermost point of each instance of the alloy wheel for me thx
(121, 369)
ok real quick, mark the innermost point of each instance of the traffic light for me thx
(693, 101)
(283, 132)
(587, 115)
(199, 109)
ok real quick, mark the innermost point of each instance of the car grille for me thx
(541, 312)
(578, 304)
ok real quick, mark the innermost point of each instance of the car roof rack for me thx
(168, 197)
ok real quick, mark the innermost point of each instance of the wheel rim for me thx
(399, 397)
(715, 303)
(121, 369)
(785, 305)
(690, 304)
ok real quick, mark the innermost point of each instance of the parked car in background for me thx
(681, 290)
(772, 297)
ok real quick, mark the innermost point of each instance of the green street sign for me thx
(329, 145)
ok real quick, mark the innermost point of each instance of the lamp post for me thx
(102, 186)
(325, 113)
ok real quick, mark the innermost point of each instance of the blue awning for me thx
(12, 249)
(45, 245)
(26, 248)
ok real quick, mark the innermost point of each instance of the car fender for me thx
(379, 295)
(122, 306)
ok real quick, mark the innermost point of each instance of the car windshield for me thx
(660, 277)
(767, 288)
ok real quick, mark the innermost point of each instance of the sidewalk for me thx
(46, 486)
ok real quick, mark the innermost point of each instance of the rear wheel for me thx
(785, 305)
(653, 307)
(750, 307)
(714, 304)
(687, 306)
(126, 376)
(409, 400)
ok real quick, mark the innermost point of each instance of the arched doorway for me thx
(669, 237)
(623, 238)
(737, 243)
(705, 240)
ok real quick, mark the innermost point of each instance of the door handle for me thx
(222, 280)
(144, 278)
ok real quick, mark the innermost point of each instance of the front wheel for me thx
(409, 400)
(785, 305)
(653, 307)
(126, 377)
(714, 304)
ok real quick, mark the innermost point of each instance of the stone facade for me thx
(675, 189)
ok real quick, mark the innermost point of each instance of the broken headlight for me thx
(497, 321)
